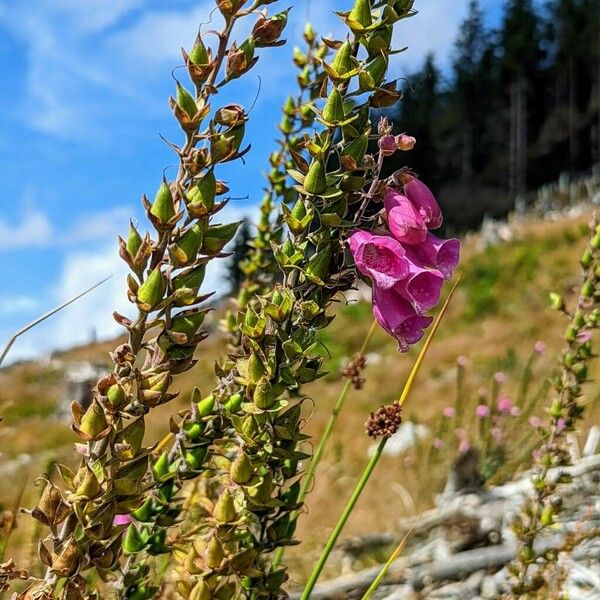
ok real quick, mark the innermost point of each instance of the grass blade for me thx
(368, 470)
(45, 316)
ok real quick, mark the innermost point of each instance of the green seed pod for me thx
(133, 541)
(289, 107)
(361, 12)
(203, 192)
(241, 469)
(206, 406)
(224, 510)
(199, 54)
(316, 179)
(318, 264)
(145, 512)
(89, 486)
(160, 468)
(93, 421)
(191, 279)
(527, 555)
(134, 241)
(195, 457)
(263, 394)
(373, 74)
(193, 430)
(249, 427)
(151, 292)
(188, 322)
(201, 591)
(185, 250)
(186, 101)
(214, 553)
(556, 409)
(586, 259)
(116, 395)
(587, 290)
(342, 62)
(333, 111)
(163, 207)
(217, 236)
(234, 403)
(309, 34)
(379, 41)
(256, 368)
(357, 148)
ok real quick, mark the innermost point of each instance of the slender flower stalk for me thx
(251, 484)
(370, 467)
(190, 440)
(542, 510)
(166, 275)
(309, 476)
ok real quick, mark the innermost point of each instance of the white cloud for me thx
(35, 230)
(17, 305)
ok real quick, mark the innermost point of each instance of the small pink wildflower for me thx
(482, 411)
(504, 404)
(409, 461)
(535, 422)
(449, 412)
(122, 520)
(584, 336)
(560, 425)
(462, 361)
(515, 411)
(499, 377)
(464, 445)
(537, 454)
(496, 434)
(540, 347)
(438, 443)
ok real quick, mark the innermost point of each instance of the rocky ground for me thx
(460, 550)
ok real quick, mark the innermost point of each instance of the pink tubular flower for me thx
(449, 412)
(404, 220)
(379, 257)
(122, 520)
(482, 411)
(398, 317)
(424, 201)
(440, 254)
(422, 287)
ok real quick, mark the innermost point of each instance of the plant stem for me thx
(318, 455)
(362, 482)
(375, 458)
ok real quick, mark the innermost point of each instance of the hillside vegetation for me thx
(498, 313)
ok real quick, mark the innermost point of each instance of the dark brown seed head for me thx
(384, 422)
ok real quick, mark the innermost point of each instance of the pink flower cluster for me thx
(407, 265)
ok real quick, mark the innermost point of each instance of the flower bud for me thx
(224, 510)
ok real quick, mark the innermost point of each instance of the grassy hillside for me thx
(497, 315)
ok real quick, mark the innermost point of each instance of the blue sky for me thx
(84, 89)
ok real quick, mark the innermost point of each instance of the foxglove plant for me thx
(198, 428)
(542, 510)
(166, 274)
(252, 481)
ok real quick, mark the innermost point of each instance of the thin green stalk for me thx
(386, 567)
(318, 455)
(360, 486)
(366, 474)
